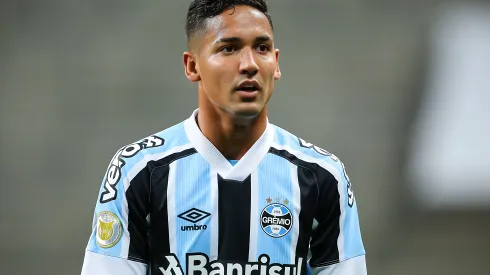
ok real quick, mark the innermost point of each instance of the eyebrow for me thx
(234, 39)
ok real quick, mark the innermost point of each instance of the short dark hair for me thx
(201, 10)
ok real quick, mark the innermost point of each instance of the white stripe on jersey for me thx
(127, 181)
(254, 216)
(336, 174)
(95, 263)
(296, 203)
(214, 223)
(353, 266)
(171, 214)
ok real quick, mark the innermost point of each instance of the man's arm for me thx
(118, 243)
(336, 244)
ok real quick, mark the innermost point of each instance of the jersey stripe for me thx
(351, 266)
(193, 207)
(353, 245)
(234, 219)
(96, 263)
(325, 239)
(276, 189)
(172, 214)
(309, 192)
(254, 217)
(214, 224)
(137, 196)
(296, 208)
(159, 243)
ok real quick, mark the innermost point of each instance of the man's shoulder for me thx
(152, 147)
(293, 143)
(132, 158)
(294, 146)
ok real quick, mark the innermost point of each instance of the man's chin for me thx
(245, 113)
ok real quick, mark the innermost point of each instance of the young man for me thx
(225, 192)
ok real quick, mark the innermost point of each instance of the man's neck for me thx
(231, 137)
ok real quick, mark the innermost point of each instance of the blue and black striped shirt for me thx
(172, 204)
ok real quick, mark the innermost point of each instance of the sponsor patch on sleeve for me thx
(109, 229)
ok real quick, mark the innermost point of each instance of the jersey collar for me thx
(245, 166)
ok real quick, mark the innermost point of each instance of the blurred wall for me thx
(80, 79)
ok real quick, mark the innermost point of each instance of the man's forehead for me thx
(233, 21)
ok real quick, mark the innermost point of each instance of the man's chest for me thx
(194, 211)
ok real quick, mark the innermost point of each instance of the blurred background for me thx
(399, 90)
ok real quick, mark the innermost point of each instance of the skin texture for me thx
(237, 45)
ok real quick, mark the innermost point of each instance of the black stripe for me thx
(324, 247)
(309, 196)
(138, 208)
(326, 210)
(147, 195)
(173, 157)
(293, 159)
(234, 219)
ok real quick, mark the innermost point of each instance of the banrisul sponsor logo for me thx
(194, 215)
(199, 264)
(117, 163)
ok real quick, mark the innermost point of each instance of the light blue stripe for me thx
(274, 181)
(114, 207)
(353, 245)
(192, 190)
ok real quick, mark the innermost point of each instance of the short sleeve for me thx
(118, 241)
(336, 245)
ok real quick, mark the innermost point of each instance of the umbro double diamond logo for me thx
(193, 215)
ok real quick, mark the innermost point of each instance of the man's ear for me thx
(191, 69)
(277, 74)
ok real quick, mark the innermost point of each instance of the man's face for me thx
(236, 61)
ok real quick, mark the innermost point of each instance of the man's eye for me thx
(263, 48)
(227, 49)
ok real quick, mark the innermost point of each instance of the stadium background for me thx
(80, 79)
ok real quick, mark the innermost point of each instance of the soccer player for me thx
(226, 192)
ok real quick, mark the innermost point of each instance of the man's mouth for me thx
(248, 86)
(247, 89)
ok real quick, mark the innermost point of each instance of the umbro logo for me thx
(193, 215)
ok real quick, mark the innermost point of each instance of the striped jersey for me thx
(172, 204)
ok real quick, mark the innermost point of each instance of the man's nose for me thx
(248, 65)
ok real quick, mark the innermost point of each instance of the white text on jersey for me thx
(114, 171)
(198, 264)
